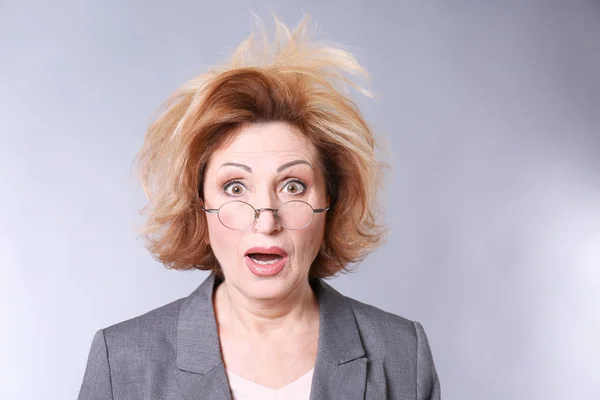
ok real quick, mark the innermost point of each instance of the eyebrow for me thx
(292, 163)
(281, 167)
(233, 164)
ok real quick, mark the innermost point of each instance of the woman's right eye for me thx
(234, 188)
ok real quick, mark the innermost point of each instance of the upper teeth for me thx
(266, 262)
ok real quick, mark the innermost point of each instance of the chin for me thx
(263, 290)
(268, 288)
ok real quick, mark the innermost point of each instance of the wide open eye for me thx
(234, 188)
(294, 186)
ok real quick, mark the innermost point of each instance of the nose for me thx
(266, 221)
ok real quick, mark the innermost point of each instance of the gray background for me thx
(492, 111)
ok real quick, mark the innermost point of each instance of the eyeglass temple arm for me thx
(320, 210)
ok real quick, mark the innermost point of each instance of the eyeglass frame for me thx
(257, 212)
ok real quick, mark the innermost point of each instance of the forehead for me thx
(265, 144)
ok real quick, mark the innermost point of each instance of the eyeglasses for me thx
(239, 215)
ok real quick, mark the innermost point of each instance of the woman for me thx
(263, 172)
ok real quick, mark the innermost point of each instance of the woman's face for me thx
(266, 165)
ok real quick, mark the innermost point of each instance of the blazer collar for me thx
(198, 347)
(199, 351)
(339, 338)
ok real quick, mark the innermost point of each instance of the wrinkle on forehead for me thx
(268, 143)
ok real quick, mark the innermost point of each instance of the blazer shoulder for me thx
(370, 316)
(159, 323)
(381, 330)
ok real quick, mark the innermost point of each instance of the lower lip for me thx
(265, 269)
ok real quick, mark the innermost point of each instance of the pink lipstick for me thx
(266, 261)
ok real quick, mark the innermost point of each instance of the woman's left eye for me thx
(294, 187)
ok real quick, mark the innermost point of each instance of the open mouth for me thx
(264, 259)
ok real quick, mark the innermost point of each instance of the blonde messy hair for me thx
(295, 80)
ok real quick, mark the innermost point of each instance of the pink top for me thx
(244, 389)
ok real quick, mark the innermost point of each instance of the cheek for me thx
(308, 241)
(220, 239)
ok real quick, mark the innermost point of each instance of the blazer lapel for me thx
(341, 366)
(200, 373)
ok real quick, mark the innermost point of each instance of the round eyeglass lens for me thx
(295, 214)
(236, 215)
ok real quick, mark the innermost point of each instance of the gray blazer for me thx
(173, 353)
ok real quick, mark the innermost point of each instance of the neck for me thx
(236, 312)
